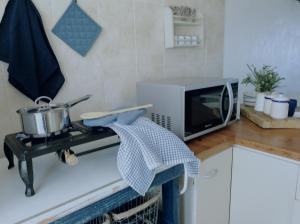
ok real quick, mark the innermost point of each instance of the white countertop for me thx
(60, 189)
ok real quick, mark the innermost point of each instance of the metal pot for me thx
(44, 120)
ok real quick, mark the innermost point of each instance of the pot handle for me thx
(79, 100)
(37, 100)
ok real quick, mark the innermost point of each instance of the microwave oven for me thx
(191, 107)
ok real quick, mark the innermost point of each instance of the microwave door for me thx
(202, 109)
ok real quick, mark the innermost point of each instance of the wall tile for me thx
(119, 87)
(116, 43)
(90, 7)
(199, 4)
(156, 2)
(58, 8)
(175, 71)
(150, 72)
(3, 4)
(214, 36)
(149, 33)
(175, 56)
(9, 118)
(44, 8)
(175, 2)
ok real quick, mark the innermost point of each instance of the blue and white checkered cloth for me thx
(146, 146)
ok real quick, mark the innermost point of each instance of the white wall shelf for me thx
(183, 31)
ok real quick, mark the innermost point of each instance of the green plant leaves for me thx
(264, 80)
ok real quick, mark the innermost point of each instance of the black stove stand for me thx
(26, 148)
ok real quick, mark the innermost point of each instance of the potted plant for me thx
(265, 80)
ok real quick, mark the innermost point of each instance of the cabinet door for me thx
(263, 188)
(296, 213)
(207, 199)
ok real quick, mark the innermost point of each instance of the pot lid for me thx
(44, 107)
(41, 108)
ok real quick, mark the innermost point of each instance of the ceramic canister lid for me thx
(280, 99)
(269, 97)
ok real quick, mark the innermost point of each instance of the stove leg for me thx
(26, 173)
(9, 156)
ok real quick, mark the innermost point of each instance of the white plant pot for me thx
(260, 102)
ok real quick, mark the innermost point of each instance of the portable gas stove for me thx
(25, 148)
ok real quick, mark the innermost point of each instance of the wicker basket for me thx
(142, 210)
(103, 219)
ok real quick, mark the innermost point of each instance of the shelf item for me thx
(185, 17)
(183, 11)
(187, 45)
(184, 20)
(186, 41)
(183, 31)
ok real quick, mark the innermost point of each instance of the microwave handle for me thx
(221, 103)
(230, 94)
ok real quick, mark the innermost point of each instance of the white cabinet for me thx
(208, 197)
(298, 187)
(296, 213)
(263, 189)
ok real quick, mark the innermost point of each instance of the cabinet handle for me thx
(211, 174)
(186, 182)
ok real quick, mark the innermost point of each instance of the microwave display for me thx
(207, 108)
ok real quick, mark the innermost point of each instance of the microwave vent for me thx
(158, 119)
(153, 117)
(162, 120)
(169, 124)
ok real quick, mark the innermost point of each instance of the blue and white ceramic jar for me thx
(268, 102)
(280, 107)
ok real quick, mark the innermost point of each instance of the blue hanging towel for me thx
(33, 68)
(77, 29)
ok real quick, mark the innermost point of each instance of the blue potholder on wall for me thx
(77, 29)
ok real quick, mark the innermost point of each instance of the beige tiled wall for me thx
(131, 48)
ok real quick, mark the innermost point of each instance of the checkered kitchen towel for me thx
(146, 146)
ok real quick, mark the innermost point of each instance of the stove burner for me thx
(25, 147)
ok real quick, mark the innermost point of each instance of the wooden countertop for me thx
(281, 142)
